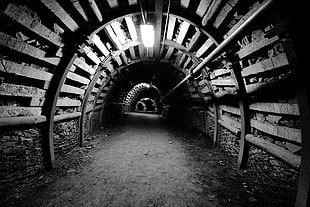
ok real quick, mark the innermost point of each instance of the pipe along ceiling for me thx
(64, 60)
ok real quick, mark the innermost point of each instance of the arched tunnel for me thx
(232, 71)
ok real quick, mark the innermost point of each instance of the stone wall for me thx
(66, 136)
(86, 124)
(21, 154)
(94, 122)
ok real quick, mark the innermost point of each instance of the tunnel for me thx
(229, 76)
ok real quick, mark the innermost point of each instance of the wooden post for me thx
(299, 61)
(50, 104)
(244, 111)
(216, 115)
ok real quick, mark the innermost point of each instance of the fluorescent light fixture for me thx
(147, 34)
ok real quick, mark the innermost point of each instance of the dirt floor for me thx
(144, 161)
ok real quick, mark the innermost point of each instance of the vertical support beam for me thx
(84, 105)
(50, 105)
(158, 28)
(244, 110)
(216, 114)
(298, 62)
(303, 193)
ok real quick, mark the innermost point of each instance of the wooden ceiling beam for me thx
(95, 9)
(63, 16)
(158, 28)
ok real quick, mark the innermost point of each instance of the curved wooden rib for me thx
(50, 104)
(244, 112)
(84, 105)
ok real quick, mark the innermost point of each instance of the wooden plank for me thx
(7, 89)
(275, 150)
(124, 57)
(132, 53)
(266, 65)
(90, 54)
(223, 82)
(95, 9)
(26, 49)
(279, 108)
(21, 121)
(187, 62)
(194, 40)
(67, 116)
(80, 9)
(222, 15)
(95, 90)
(206, 45)
(99, 44)
(100, 101)
(113, 3)
(83, 65)
(24, 16)
(220, 72)
(169, 53)
(287, 133)
(256, 45)
(35, 101)
(171, 25)
(229, 127)
(185, 3)
(63, 16)
(211, 11)
(229, 121)
(131, 28)
(230, 109)
(253, 8)
(202, 7)
(25, 71)
(132, 2)
(113, 37)
(260, 86)
(280, 60)
(71, 89)
(119, 32)
(205, 90)
(158, 28)
(12, 111)
(182, 32)
(78, 78)
(259, 67)
(68, 102)
(210, 114)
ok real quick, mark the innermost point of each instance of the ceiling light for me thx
(147, 34)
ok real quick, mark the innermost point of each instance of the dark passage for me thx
(146, 161)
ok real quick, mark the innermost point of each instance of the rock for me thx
(252, 199)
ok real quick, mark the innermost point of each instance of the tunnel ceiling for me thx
(83, 48)
(91, 52)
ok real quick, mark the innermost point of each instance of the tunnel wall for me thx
(65, 136)
(21, 154)
(193, 117)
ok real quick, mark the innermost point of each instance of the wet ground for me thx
(145, 161)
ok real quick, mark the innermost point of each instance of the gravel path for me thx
(146, 161)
